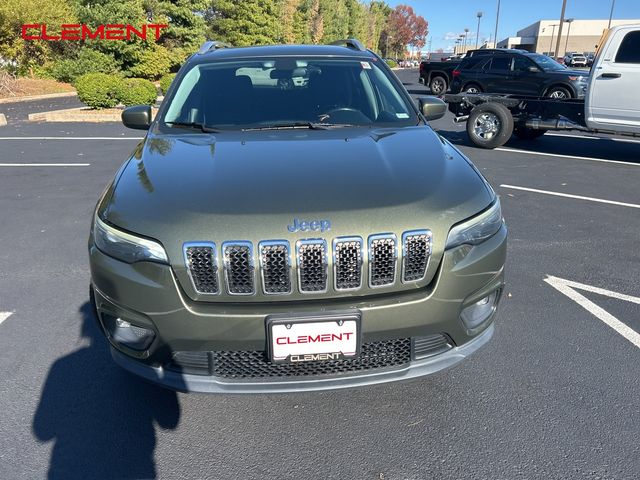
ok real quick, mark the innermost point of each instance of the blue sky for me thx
(449, 18)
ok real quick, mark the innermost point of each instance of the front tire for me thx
(438, 85)
(559, 93)
(524, 133)
(490, 125)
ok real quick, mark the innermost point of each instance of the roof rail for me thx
(212, 45)
(351, 43)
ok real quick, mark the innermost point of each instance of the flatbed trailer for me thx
(493, 118)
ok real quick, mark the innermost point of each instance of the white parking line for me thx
(568, 195)
(570, 157)
(567, 287)
(615, 139)
(71, 138)
(4, 316)
(44, 164)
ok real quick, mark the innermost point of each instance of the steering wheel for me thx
(346, 115)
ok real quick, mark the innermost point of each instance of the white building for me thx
(577, 36)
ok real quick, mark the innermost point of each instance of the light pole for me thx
(479, 15)
(569, 21)
(564, 6)
(613, 4)
(461, 38)
(495, 34)
(466, 34)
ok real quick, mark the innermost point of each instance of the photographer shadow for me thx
(101, 419)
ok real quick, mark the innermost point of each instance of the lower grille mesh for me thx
(255, 364)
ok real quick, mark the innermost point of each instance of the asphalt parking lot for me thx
(554, 395)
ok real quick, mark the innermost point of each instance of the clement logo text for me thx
(77, 31)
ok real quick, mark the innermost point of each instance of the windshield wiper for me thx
(310, 125)
(200, 126)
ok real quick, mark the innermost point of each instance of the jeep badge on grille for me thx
(305, 226)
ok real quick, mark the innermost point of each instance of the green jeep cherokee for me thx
(290, 222)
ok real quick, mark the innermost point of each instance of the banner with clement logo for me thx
(77, 31)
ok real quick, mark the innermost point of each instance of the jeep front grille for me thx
(238, 267)
(416, 247)
(355, 263)
(347, 263)
(312, 265)
(275, 265)
(202, 264)
(382, 260)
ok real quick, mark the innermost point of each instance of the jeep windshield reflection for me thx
(287, 93)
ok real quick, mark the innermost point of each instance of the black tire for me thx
(490, 125)
(524, 133)
(438, 85)
(472, 88)
(558, 93)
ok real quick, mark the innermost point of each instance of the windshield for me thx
(546, 63)
(286, 91)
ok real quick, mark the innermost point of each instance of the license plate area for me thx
(307, 338)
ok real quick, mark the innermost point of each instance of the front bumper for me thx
(148, 295)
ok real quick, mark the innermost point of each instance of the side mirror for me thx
(432, 108)
(137, 117)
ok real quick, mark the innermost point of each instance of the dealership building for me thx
(577, 36)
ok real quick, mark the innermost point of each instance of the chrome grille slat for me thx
(383, 254)
(347, 263)
(239, 267)
(201, 259)
(312, 265)
(416, 252)
(275, 267)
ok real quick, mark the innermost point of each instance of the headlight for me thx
(476, 229)
(126, 247)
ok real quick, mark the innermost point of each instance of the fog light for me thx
(131, 336)
(475, 314)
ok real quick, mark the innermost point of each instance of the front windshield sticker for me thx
(402, 115)
(366, 65)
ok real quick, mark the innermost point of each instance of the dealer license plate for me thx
(317, 338)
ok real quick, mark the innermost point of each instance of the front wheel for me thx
(438, 85)
(559, 93)
(490, 125)
(524, 133)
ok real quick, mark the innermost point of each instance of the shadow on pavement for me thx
(101, 419)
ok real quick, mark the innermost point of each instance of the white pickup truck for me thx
(611, 105)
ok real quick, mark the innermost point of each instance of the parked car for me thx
(518, 72)
(575, 60)
(438, 75)
(589, 56)
(611, 105)
(268, 239)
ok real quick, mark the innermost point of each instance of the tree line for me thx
(240, 22)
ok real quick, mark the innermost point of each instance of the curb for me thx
(77, 115)
(3, 120)
(29, 98)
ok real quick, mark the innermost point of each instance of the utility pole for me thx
(479, 15)
(569, 21)
(564, 6)
(613, 4)
(495, 34)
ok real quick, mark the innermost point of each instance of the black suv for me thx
(519, 73)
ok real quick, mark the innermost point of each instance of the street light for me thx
(495, 34)
(569, 21)
(613, 4)
(466, 33)
(479, 15)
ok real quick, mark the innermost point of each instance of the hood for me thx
(567, 72)
(252, 185)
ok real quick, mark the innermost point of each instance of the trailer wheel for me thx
(524, 133)
(490, 125)
(438, 85)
